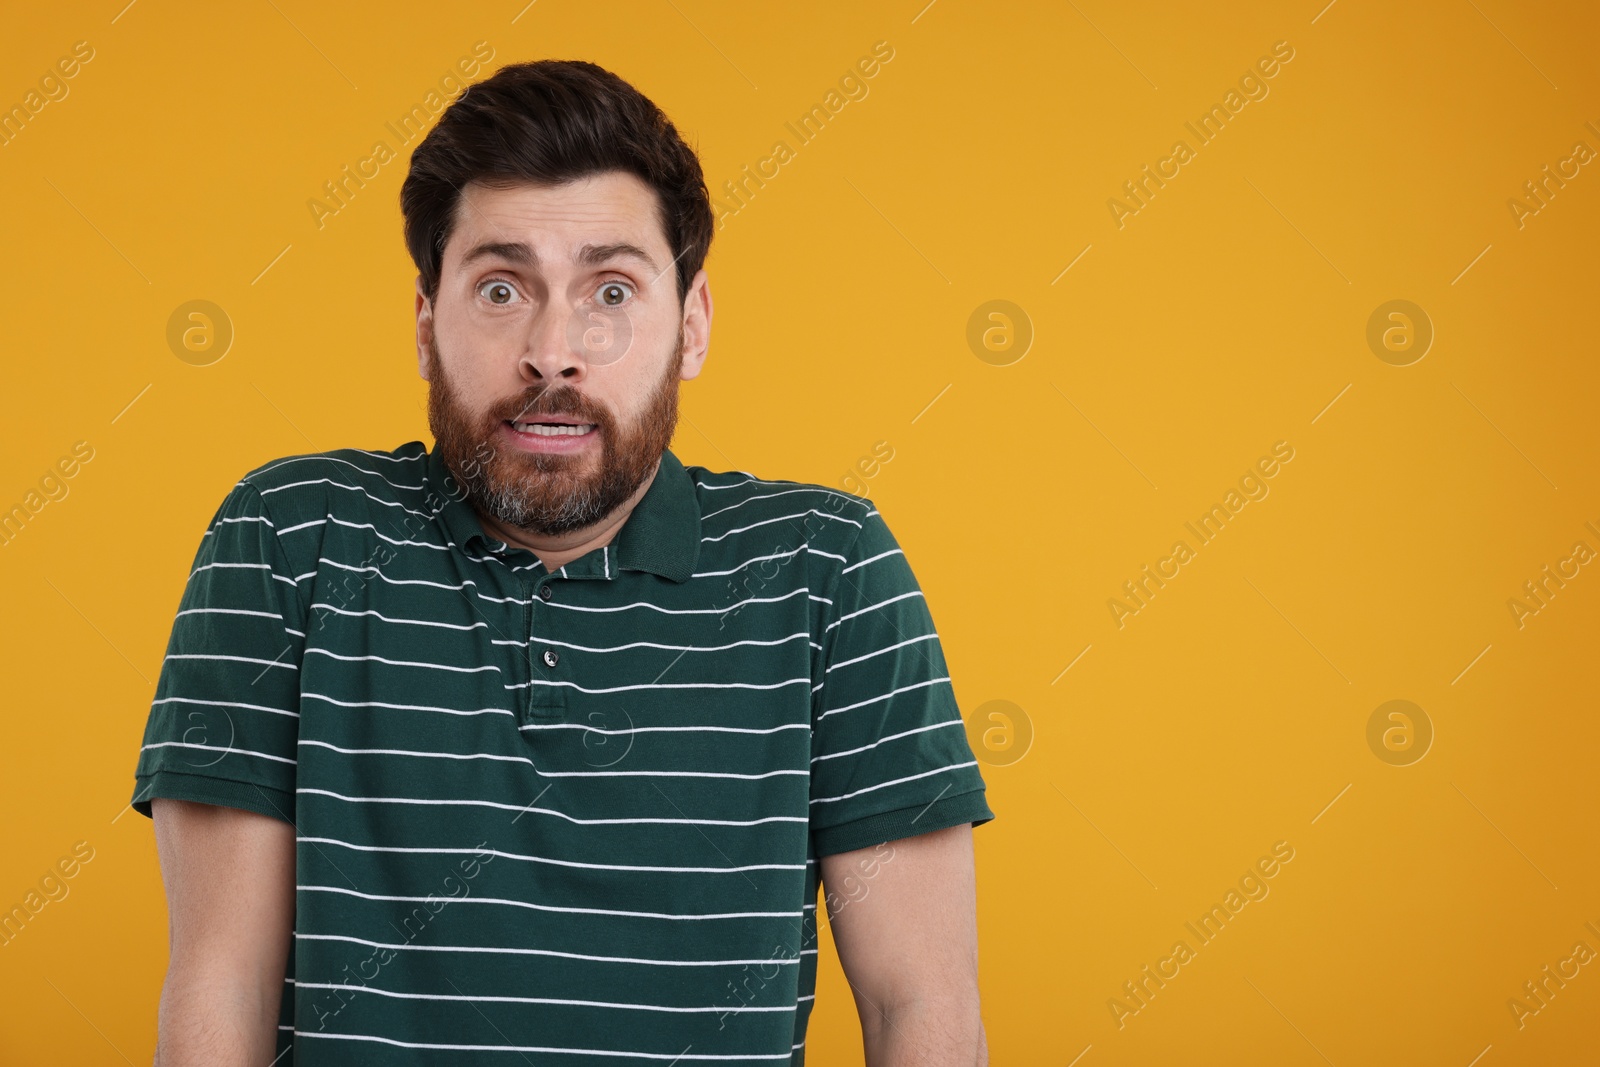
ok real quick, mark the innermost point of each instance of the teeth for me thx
(544, 430)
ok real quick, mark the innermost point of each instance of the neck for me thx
(559, 550)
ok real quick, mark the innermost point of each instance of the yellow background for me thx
(1228, 314)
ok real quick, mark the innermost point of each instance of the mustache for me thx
(543, 400)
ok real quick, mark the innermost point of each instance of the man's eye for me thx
(499, 292)
(614, 294)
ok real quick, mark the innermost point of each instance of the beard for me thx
(541, 492)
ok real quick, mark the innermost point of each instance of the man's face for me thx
(572, 317)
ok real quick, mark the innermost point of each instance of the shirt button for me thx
(545, 592)
(550, 657)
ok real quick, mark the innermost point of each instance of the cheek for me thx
(469, 335)
(481, 380)
(620, 398)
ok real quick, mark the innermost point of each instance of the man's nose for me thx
(550, 355)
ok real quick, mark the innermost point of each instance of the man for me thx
(535, 746)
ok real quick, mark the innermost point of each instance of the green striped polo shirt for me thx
(568, 817)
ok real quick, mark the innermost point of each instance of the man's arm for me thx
(229, 877)
(904, 918)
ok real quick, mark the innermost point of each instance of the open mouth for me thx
(553, 429)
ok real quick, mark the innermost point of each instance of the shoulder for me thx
(740, 506)
(345, 481)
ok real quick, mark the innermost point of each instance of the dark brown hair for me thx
(551, 122)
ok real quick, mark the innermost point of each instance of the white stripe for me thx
(814, 489)
(679, 611)
(749, 479)
(393, 581)
(671, 1057)
(417, 459)
(412, 581)
(564, 863)
(243, 566)
(780, 518)
(564, 911)
(234, 659)
(673, 774)
(873, 607)
(554, 684)
(504, 950)
(411, 752)
(881, 651)
(654, 644)
(231, 566)
(890, 737)
(353, 489)
(213, 748)
(366, 526)
(885, 696)
(403, 707)
(409, 622)
(226, 704)
(667, 729)
(243, 518)
(746, 563)
(335, 459)
(554, 774)
(230, 611)
(537, 1000)
(401, 662)
(897, 781)
(880, 555)
(526, 808)
(458, 588)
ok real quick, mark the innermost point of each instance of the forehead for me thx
(606, 208)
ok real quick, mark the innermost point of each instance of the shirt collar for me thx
(662, 535)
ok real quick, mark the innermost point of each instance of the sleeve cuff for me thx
(177, 785)
(970, 807)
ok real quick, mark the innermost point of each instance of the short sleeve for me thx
(225, 719)
(889, 753)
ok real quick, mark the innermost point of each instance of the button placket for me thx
(543, 701)
(551, 657)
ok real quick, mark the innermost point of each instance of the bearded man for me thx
(539, 744)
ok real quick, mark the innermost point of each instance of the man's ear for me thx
(424, 311)
(696, 325)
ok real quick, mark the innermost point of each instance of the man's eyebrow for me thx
(594, 255)
(590, 255)
(513, 251)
